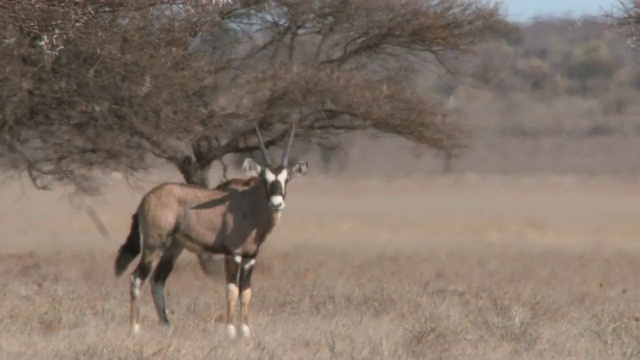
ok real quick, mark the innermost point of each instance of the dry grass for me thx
(432, 268)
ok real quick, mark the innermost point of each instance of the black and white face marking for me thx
(275, 179)
(276, 187)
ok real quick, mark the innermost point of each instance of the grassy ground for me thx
(433, 268)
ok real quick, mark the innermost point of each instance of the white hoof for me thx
(231, 331)
(135, 329)
(244, 329)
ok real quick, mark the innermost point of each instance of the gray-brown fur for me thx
(207, 262)
(233, 219)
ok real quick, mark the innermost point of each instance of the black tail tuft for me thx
(130, 249)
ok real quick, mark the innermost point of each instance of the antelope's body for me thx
(233, 219)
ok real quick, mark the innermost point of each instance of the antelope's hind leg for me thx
(159, 278)
(245, 294)
(232, 275)
(138, 277)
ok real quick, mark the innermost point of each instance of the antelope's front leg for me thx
(232, 271)
(245, 294)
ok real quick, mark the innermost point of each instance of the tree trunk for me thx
(194, 172)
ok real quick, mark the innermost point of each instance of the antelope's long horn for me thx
(263, 149)
(285, 155)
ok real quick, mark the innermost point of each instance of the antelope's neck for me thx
(266, 218)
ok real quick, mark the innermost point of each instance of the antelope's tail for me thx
(130, 249)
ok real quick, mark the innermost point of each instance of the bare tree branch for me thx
(93, 87)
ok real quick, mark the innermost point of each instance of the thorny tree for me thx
(626, 16)
(91, 86)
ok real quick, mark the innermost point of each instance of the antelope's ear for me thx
(251, 167)
(299, 169)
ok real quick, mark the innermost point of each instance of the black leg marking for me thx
(232, 271)
(159, 278)
(246, 270)
(138, 277)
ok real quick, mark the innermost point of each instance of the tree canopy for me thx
(99, 85)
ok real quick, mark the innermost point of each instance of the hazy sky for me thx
(524, 9)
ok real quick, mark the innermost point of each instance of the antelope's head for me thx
(275, 178)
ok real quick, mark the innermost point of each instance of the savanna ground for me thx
(528, 249)
(423, 267)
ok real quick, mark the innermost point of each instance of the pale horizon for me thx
(524, 10)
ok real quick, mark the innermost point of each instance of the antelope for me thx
(233, 219)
